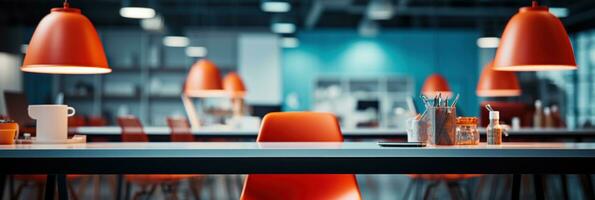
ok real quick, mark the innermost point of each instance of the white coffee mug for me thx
(52, 121)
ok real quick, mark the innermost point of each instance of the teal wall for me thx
(393, 52)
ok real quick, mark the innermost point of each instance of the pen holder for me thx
(443, 125)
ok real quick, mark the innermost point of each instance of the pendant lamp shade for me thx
(204, 80)
(494, 83)
(436, 84)
(65, 42)
(233, 85)
(534, 40)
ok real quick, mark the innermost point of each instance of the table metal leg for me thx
(516, 187)
(50, 186)
(538, 184)
(587, 186)
(2, 185)
(10, 186)
(564, 181)
(62, 187)
(119, 182)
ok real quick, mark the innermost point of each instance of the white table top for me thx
(292, 157)
(292, 149)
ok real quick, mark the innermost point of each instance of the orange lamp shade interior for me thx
(204, 80)
(233, 84)
(434, 85)
(494, 83)
(534, 40)
(65, 42)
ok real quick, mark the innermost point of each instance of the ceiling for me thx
(487, 15)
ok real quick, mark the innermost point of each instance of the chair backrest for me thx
(132, 129)
(300, 127)
(180, 129)
(96, 121)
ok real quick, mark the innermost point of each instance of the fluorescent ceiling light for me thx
(196, 52)
(137, 12)
(152, 24)
(275, 6)
(380, 10)
(559, 12)
(488, 42)
(24, 48)
(283, 28)
(290, 42)
(176, 41)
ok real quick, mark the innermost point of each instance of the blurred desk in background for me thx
(157, 133)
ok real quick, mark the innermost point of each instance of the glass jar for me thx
(467, 132)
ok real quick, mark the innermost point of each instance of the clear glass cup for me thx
(417, 130)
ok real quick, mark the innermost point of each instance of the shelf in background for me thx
(121, 97)
(126, 69)
(165, 97)
(169, 70)
(78, 97)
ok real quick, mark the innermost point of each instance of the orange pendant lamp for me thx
(494, 83)
(234, 86)
(204, 80)
(65, 42)
(436, 84)
(534, 40)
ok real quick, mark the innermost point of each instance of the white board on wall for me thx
(259, 65)
(10, 76)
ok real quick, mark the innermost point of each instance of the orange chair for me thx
(182, 132)
(180, 129)
(93, 120)
(300, 127)
(132, 131)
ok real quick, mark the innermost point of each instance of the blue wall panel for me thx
(416, 53)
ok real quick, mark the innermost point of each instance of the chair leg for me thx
(454, 190)
(564, 182)
(96, 187)
(430, 190)
(127, 191)
(480, 186)
(587, 184)
(71, 191)
(170, 190)
(40, 190)
(196, 185)
(410, 185)
(20, 187)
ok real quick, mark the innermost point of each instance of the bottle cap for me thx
(494, 115)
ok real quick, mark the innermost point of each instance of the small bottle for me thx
(547, 115)
(494, 130)
(538, 116)
(516, 123)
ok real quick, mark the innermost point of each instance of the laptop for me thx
(16, 108)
